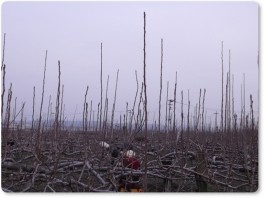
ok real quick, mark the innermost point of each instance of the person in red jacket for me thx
(130, 183)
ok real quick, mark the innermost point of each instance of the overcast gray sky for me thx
(72, 33)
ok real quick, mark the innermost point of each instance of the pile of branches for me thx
(80, 165)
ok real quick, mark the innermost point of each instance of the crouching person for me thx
(130, 183)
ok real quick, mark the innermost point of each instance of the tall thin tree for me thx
(3, 67)
(145, 108)
(161, 65)
(57, 113)
(174, 105)
(41, 105)
(113, 109)
(101, 80)
(222, 101)
(33, 109)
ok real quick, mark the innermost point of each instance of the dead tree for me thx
(166, 115)
(222, 101)
(33, 109)
(133, 109)
(252, 113)
(113, 109)
(41, 105)
(101, 80)
(203, 110)
(84, 109)
(3, 67)
(161, 64)
(56, 124)
(145, 109)
(174, 106)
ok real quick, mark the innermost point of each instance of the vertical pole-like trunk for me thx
(181, 116)
(226, 104)
(61, 108)
(198, 114)
(22, 116)
(48, 114)
(33, 109)
(241, 114)
(98, 115)
(203, 110)
(126, 117)
(161, 64)
(41, 105)
(166, 115)
(133, 110)
(91, 110)
(233, 104)
(5, 133)
(57, 113)
(86, 117)
(14, 116)
(145, 109)
(139, 110)
(113, 110)
(105, 106)
(174, 105)
(244, 100)
(3, 91)
(3, 67)
(252, 113)
(101, 80)
(222, 101)
(229, 93)
(188, 115)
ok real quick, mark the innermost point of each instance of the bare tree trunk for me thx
(5, 133)
(252, 113)
(48, 114)
(203, 110)
(145, 109)
(233, 104)
(105, 119)
(33, 109)
(226, 104)
(133, 109)
(101, 80)
(91, 109)
(161, 64)
(229, 94)
(113, 110)
(40, 112)
(244, 100)
(98, 115)
(3, 67)
(126, 116)
(86, 116)
(3, 90)
(139, 111)
(198, 116)
(188, 115)
(174, 106)
(222, 101)
(61, 110)
(57, 113)
(105, 106)
(241, 115)
(181, 116)
(166, 116)
(14, 116)
(3, 54)
(22, 114)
